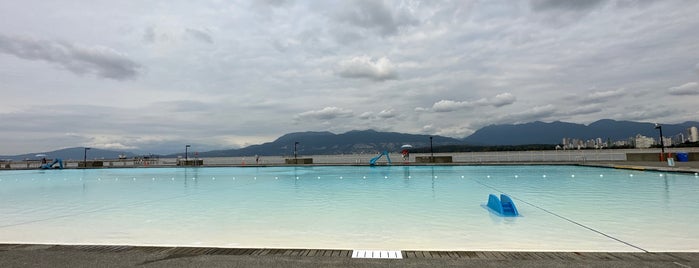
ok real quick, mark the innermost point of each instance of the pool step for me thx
(376, 254)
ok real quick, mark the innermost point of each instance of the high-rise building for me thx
(667, 141)
(643, 141)
(678, 139)
(693, 134)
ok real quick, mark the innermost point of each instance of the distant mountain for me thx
(370, 141)
(314, 143)
(554, 132)
(76, 153)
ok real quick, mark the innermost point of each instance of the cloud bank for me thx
(223, 74)
(101, 61)
(691, 88)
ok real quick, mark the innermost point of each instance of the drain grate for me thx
(376, 254)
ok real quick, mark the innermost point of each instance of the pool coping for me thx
(642, 167)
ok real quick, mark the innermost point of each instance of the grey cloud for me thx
(533, 114)
(691, 88)
(101, 61)
(149, 35)
(576, 5)
(501, 100)
(646, 113)
(366, 115)
(276, 2)
(364, 67)
(346, 36)
(184, 106)
(383, 114)
(463, 52)
(326, 113)
(455, 131)
(582, 110)
(444, 106)
(154, 35)
(633, 3)
(94, 126)
(601, 96)
(166, 34)
(388, 113)
(200, 35)
(376, 15)
(450, 105)
(563, 12)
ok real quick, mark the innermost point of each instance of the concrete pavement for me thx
(126, 256)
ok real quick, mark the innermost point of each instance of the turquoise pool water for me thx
(352, 207)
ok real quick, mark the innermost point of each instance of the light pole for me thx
(186, 153)
(662, 143)
(431, 151)
(85, 156)
(295, 154)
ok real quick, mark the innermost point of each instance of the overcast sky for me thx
(151, 76)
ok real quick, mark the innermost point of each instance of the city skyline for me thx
(690, 135)
(227, 74)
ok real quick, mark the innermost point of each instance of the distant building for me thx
(621, 143)
(643, 142)
(667, 141)
(572, 143)
(693, 134)
(678, 139)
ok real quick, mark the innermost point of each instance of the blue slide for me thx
(503, 206)
(373, 160)
(52, 164)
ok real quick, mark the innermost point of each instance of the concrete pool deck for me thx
(682, 167)
(32, 255)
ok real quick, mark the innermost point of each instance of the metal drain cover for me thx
(377, 254)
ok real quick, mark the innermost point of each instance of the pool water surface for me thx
(563, 208)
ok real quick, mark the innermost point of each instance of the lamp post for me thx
(662, 143)
(431, 151)
(186, 153)
(85, 156)
(295, 154)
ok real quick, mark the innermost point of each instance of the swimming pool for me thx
(563, 208)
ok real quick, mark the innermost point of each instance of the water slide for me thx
(56, 161)
(503, 206)
(373, 160)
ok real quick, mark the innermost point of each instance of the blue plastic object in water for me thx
(373, 160)
(503, 206)
(51, 165)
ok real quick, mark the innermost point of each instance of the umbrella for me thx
(406, 146)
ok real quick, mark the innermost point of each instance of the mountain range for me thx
(356, 141)
(554, 132)
(370, 141)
